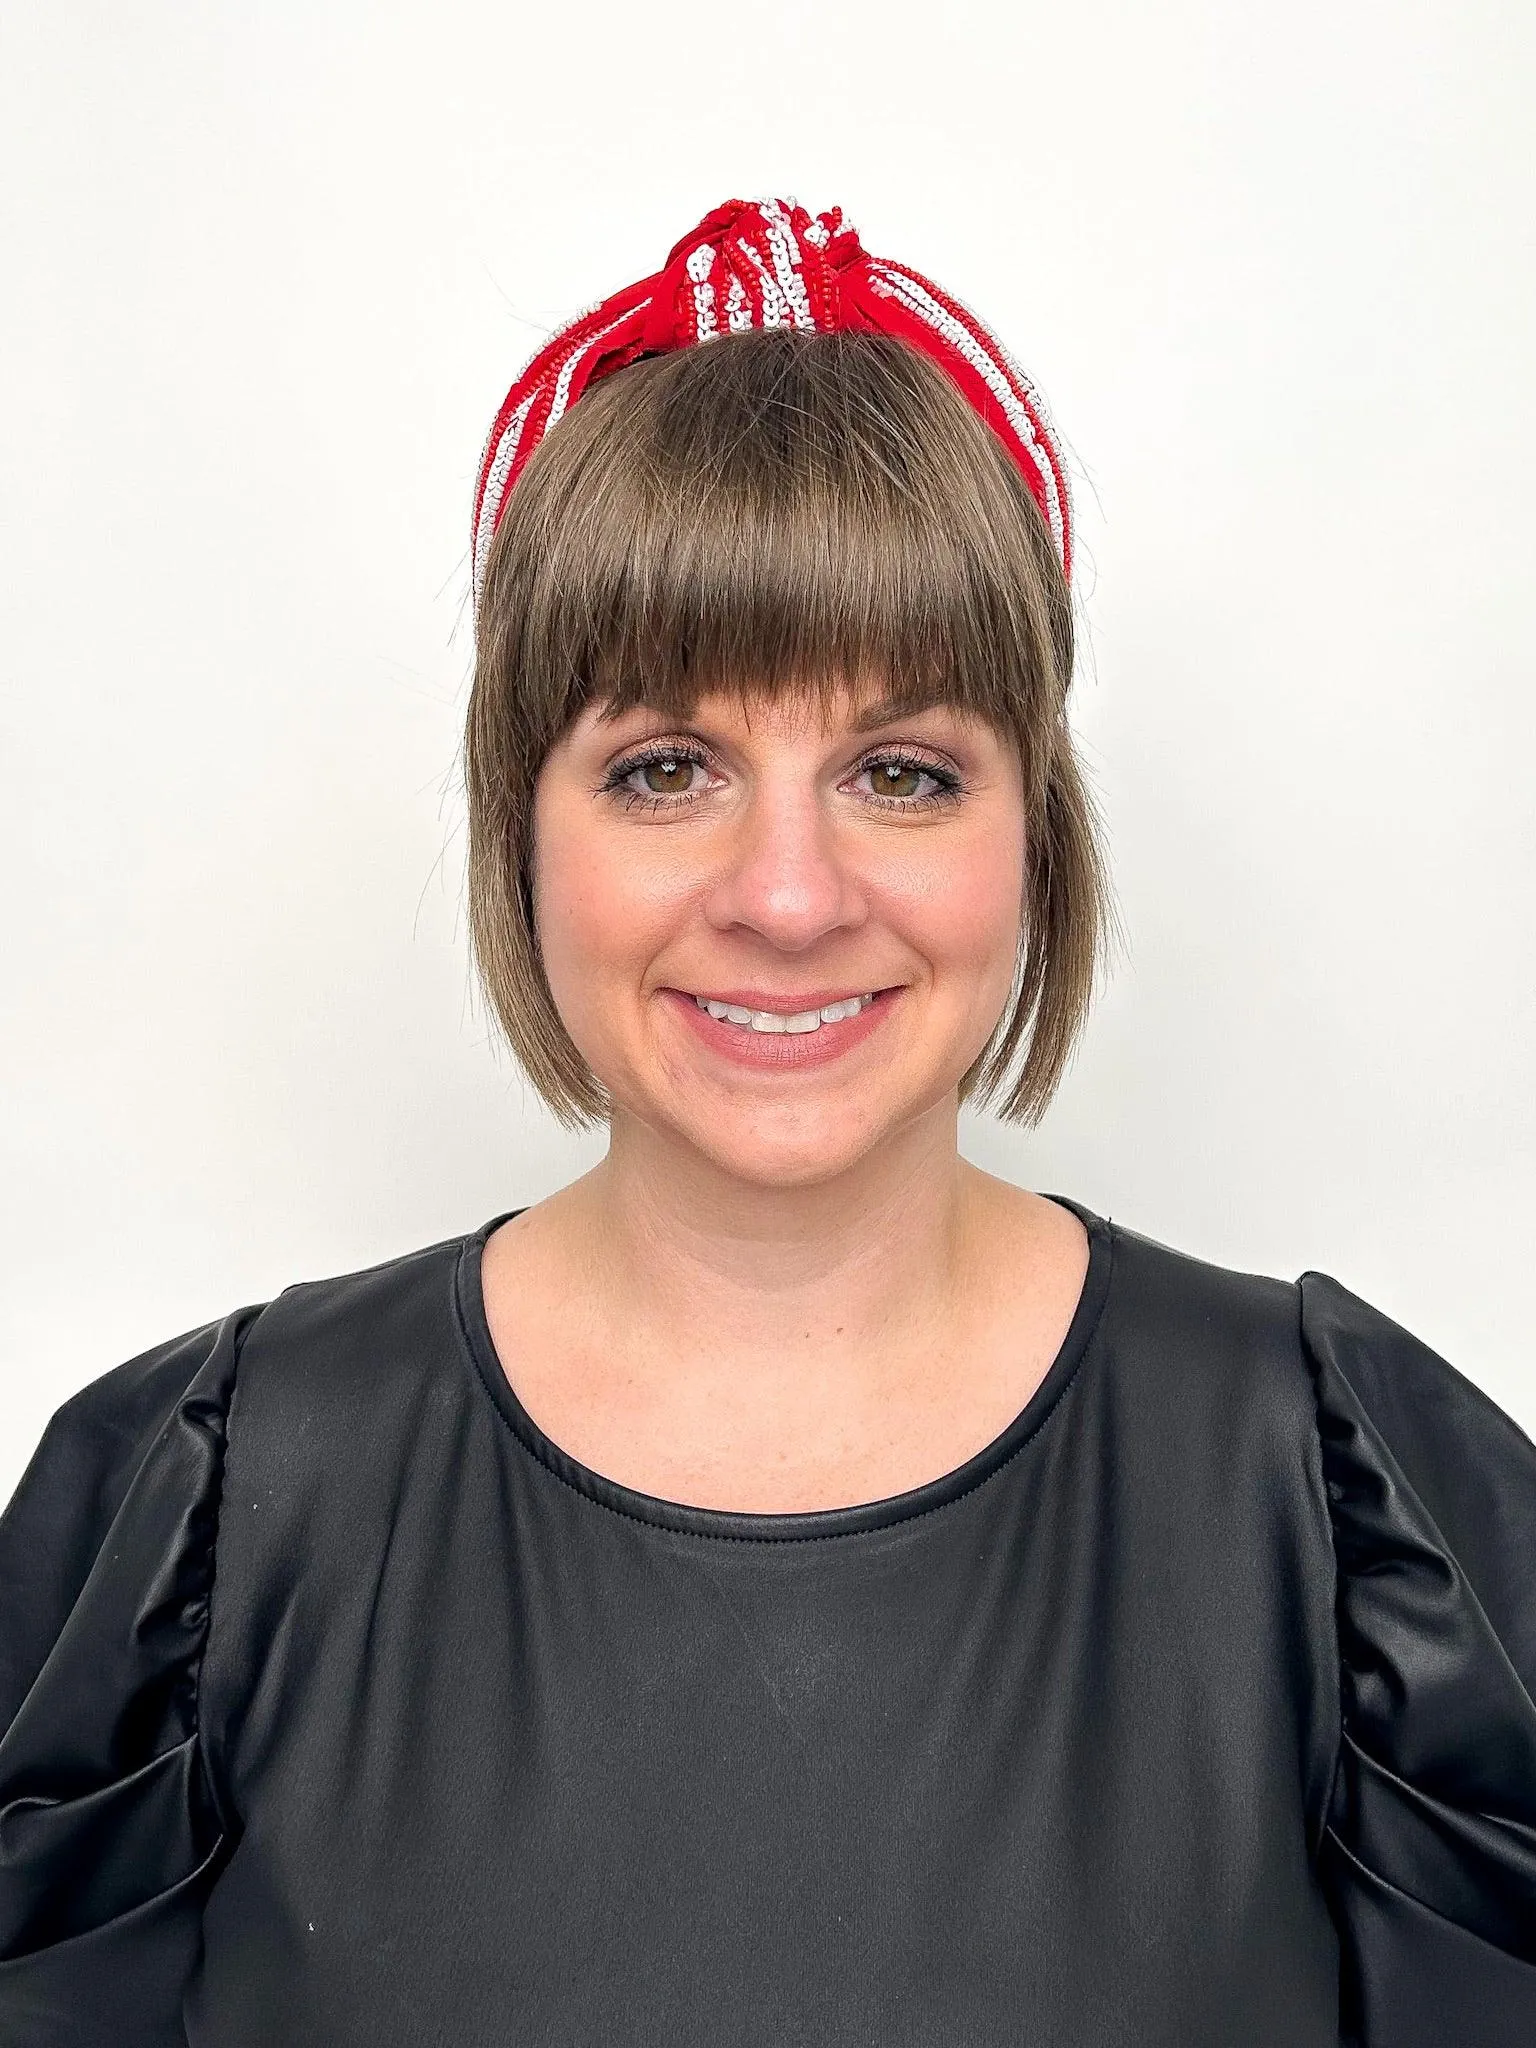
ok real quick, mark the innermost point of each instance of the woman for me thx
(789, 1586)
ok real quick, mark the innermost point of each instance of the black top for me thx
(345, 1710)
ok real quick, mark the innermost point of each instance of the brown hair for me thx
(779, 512)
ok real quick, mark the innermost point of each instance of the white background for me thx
(268, 271)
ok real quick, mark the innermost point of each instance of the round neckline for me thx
(790, 1527)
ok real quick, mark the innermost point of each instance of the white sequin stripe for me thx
(738, 307)
(786, 262)
(777, 311)
(900, 285)
(495, 483)
(700, 264)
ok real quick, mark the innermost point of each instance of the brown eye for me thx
(664, 779)
(896, 784)
(667, 776)
(895, 778)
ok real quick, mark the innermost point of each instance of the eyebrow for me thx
(886, 710)
(882, 711)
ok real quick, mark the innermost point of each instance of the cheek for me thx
(963, 910)
(600, 912)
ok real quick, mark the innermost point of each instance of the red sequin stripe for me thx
(820, 285)
(751, 277)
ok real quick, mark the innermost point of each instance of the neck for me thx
(785, 1348)
(712, 1266)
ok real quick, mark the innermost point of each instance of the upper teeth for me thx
(773, 1020)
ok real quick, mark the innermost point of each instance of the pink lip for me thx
(776, 1050)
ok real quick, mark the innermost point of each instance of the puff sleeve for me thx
(1429, 1851)
(111, 1831)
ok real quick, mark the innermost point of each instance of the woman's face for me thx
(757, 857)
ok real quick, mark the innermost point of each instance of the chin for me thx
(797, 1151)
(758, 1166)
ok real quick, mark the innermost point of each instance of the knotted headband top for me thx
(767, 263)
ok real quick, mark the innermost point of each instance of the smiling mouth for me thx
(780, 1020)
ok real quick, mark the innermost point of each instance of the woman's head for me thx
(773, 651)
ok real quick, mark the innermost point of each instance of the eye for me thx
(896, 777)
(656, 778)
(660, 776)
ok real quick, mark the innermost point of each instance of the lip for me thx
(779, 1051)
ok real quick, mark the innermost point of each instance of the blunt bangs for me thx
(776, 512)
(766, 515)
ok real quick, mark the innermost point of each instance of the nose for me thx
(785, 871)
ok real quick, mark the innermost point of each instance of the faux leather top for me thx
(344, 1710)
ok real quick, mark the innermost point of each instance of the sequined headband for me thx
(768, 263)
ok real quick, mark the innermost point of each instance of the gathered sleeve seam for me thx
(1321, 1820)
(218, 1792)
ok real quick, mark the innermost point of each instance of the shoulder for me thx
(96, 1440)
(1412, 1393)
(353, 1388)
(370, 1341)
(1177, 1288)
(303, 1374)
(1202, 1337)
(1225, 1317)
(1198, 1375)
(362, 1449)
(1369, 1387)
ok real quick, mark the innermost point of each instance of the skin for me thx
(781, 1291)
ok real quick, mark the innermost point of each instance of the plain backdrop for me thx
(268, 272)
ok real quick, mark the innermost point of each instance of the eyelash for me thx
(950, 788)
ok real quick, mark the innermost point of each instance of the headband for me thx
(767, 263)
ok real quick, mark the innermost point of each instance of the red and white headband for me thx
(768, 263)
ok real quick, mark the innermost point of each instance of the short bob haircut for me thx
(778, 513)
